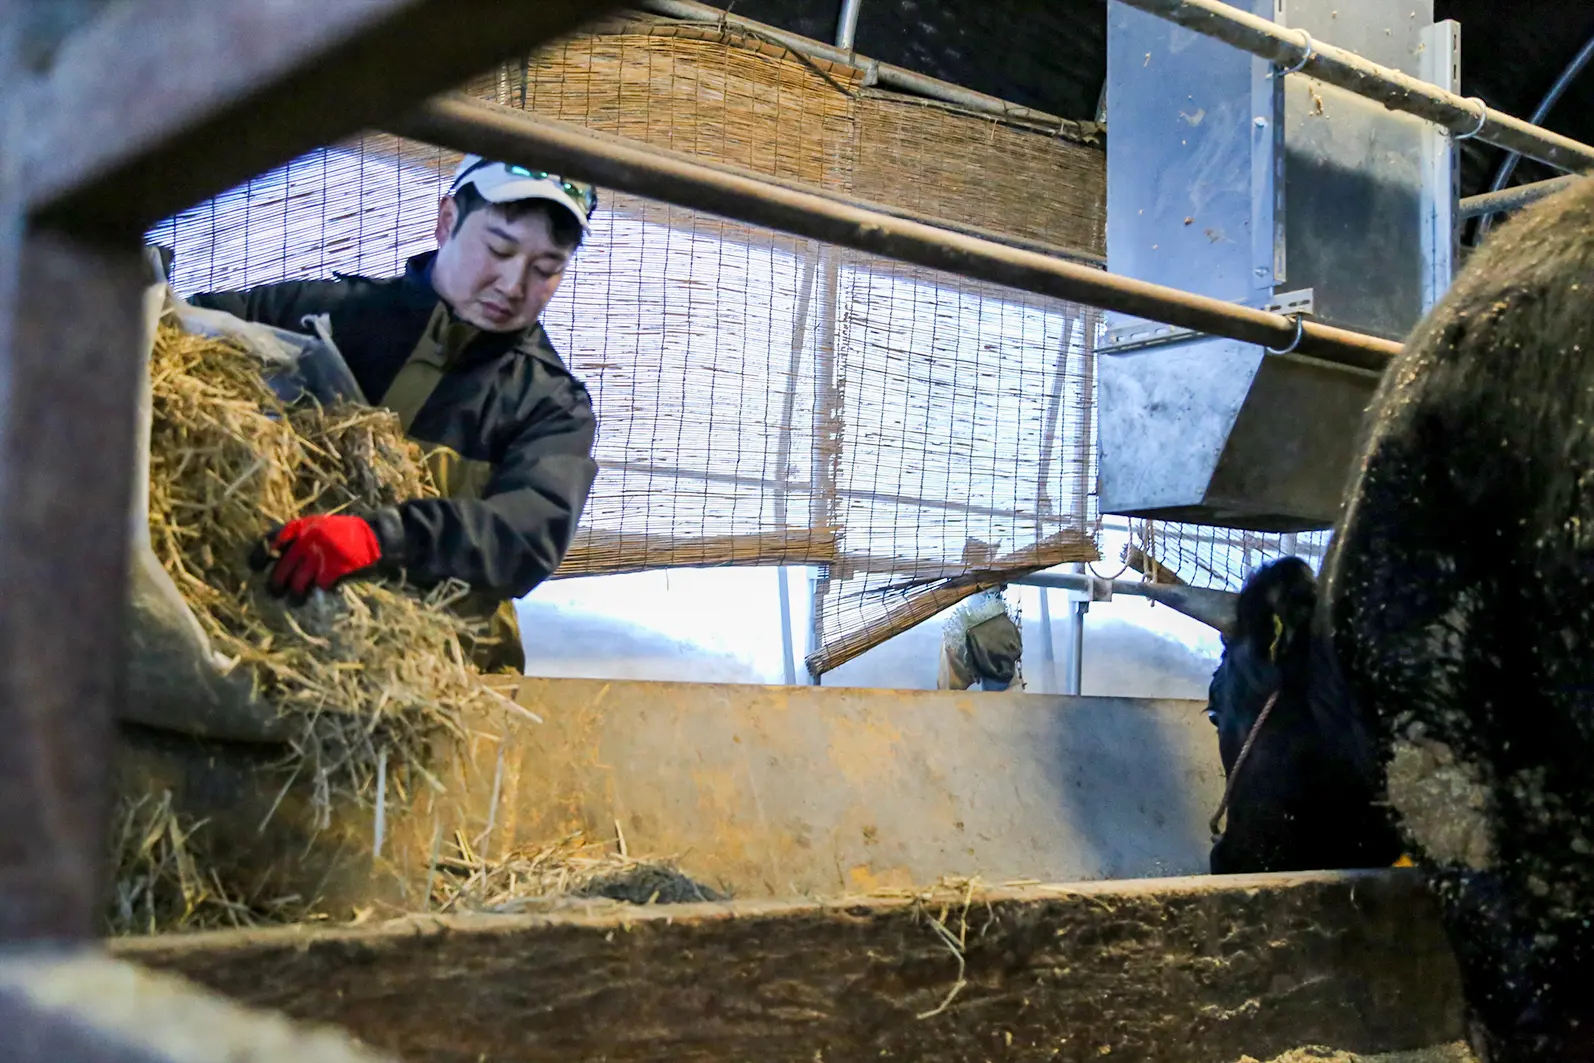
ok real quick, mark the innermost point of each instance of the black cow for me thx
(1305, 796)
(1462, 603)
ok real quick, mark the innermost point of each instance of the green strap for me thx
(440, 345)
(456, 476)
(442, 341)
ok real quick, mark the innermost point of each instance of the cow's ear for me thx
(1292, 604)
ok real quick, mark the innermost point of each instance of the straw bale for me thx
(371, 672)
(373, 676)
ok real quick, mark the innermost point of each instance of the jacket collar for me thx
(419, 292)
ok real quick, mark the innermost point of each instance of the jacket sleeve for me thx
(511, 539)
(283, 305)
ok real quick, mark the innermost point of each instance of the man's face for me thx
(497, 272)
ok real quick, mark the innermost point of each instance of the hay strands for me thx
(569, 868)
(158, 884)
(368, 670)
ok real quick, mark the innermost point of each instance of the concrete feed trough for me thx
(888, 856)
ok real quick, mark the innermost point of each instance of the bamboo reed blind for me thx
(763, 399)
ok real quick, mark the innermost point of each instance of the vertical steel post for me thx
(1079, 605)
(827, 429)
(1049, 648)
(1441, 186)
(847, 24)
(783, 452)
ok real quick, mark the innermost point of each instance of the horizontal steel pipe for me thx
(1211, 607)
(1512, 198)
(502, 132)
(1072, 254)
(1395, 90)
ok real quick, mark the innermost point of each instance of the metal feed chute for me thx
(1231, 177)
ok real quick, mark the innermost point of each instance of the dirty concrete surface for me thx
(1455, 1052)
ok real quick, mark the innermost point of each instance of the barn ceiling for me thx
(1051, 54)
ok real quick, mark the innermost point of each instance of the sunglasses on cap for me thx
(584, 194)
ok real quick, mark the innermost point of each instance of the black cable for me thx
(1508, 164)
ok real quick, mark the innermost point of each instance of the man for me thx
(454, 347)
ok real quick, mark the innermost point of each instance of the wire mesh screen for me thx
(965, 408)
(360, 207)
(1221, 558)
(697, 338)
(761, 399)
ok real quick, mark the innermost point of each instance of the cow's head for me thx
(1304, 798)
(1271, 637)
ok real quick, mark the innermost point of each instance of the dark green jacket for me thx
(506, 412)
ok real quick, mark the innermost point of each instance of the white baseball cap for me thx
(502, 182)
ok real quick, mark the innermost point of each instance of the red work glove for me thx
(316, 552)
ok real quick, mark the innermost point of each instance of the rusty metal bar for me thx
(1512, 198)
(1398, 91)
(468, 125)
(154, 106)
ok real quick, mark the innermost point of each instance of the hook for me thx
(1306, 57)
(1300, 330)
(1483, 118)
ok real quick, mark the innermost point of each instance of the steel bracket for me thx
(1094, 589)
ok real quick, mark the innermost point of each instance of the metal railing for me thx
(468, 125)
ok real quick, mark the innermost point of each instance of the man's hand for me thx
(316, 552)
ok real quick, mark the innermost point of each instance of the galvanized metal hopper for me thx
(1228, 178)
